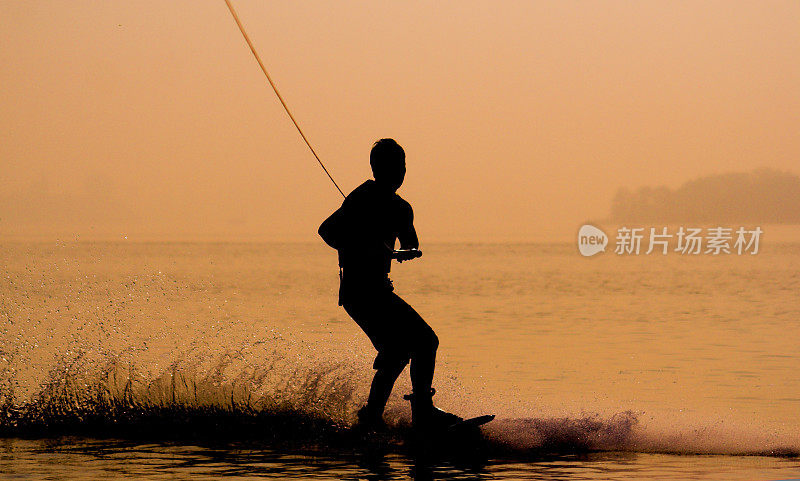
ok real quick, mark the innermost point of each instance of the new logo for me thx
(591, 240)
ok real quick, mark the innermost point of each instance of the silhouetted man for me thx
(363, 230)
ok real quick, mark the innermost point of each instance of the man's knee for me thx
(426, 341)
(390, 361)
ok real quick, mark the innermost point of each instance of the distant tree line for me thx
(762, 196)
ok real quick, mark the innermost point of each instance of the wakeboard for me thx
(461, 442)
(470, 423)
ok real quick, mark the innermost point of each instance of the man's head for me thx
(388, 162)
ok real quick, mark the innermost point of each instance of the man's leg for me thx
(418, 339)
(376, 317)
(423, 362)
(423, 344)
(423, 357)
(405, 335)
(387, 372)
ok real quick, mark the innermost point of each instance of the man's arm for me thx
(407, 235)
(332, 229)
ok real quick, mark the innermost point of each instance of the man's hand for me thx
(406, 254)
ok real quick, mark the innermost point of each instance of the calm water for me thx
(73, 458)
(667, 367)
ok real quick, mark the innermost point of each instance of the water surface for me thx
(609, 367)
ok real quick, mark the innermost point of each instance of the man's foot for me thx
(368, 420)
(424, 415)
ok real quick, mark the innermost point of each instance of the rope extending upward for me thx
(269, 79)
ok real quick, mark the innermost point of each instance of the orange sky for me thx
(519, 119)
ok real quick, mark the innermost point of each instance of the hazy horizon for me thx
(520, 120)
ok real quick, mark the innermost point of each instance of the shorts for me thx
(395, 329)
